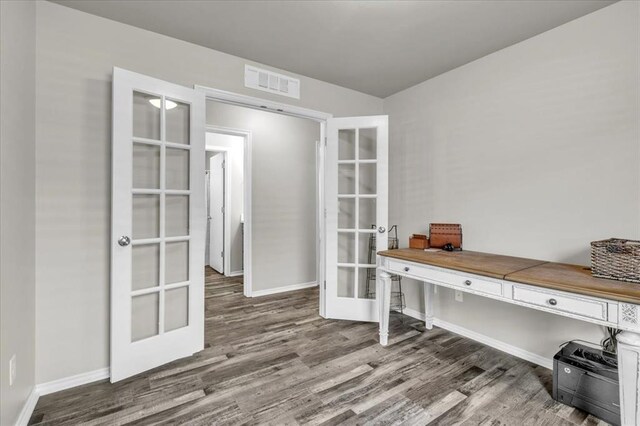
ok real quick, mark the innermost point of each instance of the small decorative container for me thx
(616, 259)
(418, 241)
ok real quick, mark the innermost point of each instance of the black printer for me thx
(587, 378)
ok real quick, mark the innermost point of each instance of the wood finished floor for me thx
(273, 360)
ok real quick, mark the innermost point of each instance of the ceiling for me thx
(375, 47)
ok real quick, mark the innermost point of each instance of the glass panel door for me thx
(356, 194)
(158, 223)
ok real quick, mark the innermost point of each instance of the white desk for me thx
(564, 290)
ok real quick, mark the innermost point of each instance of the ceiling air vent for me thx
(269, 81)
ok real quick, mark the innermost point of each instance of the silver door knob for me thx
(124, 241)
(382, 229)
(553, 302)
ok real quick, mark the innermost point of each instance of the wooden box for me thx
(418, 241)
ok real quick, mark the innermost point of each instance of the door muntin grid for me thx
(161, 198)
(357, 184)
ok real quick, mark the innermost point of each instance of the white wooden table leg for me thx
(629, 377)
(428, 305)
(383, 291)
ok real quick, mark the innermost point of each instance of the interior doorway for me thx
(224, 164)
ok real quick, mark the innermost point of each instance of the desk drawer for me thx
(463, 281)
(560, 302)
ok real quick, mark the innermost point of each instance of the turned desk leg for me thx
(428, 305)
(629, 377)
(383, 291)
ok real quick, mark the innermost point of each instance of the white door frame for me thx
(295, 111)
(226, 244)
(247, 210)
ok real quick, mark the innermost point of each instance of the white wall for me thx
(235, 160)
(283, 194)
(17, 204)
(535, 149)
(75, 56)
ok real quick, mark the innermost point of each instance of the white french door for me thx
(158, 223)
(356, 199)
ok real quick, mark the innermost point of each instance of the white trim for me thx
(27, 408)
(235, 274)
(482, 338)
(72, 381)
(284, 289)
(57, 386)
(247, 208)
(263, 104)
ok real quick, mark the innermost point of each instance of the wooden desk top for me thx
(557, 276)
(473, 262)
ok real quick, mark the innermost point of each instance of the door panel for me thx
(158, 212)
(356, 222)
(216, 199)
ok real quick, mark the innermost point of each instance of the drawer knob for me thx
(467, 282)
(406, 269)
(553, 302)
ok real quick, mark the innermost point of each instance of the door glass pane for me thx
(346, 144)
(176, 215)
(146, 216)
(146, 166)
(145, 266)
(346, 281)
(367, 213)
(346, 179)
(367, 249)
(347, 213)
(176, 310)
(176, 262)
(367, 283)
(346, 247)
(146, 116)
(367, 181)
(177, 116)
(144, 316)
(367, 144)
(177, 168)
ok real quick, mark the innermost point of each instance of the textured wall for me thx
(76, 53)
(17, 204)
(535, 149)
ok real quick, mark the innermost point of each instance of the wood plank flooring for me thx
(273, 360)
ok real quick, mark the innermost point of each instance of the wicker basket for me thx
(616, 259)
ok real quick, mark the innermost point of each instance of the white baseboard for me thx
(235, 274)
(56, 386)
(72, 381)
(283, 289)
(27, 408)
(482, 338)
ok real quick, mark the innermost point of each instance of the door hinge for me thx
(325, 141)
(222, 209)
(221, 254)
(325, 284)
(224, 164)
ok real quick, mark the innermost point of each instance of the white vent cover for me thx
(269, 81)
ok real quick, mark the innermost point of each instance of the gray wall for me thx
(283, 193)
(535, 149)
(75, 56)
(235, 160)
(17, 204)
